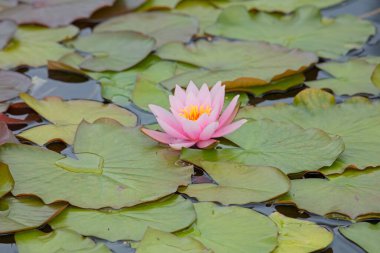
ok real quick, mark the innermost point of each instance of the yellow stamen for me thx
(193, 112)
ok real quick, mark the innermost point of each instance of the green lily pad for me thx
(298, 236)
(159, 5)
(275, 144)
(163, 26)
(34, 46)
(286, 6)
(18, 214)
(306, 29)
(352, 194)
(63, 241)
(12, 84)
(156, 241)
(71, 113)
(356, 121)
(239, 184)
(241, 65)
(114, 167)
(7, 30)
(375, 77)
(350, 78)
(232, 229)
(169, 215)
(114, 51)
(364, 234)
(6, 180)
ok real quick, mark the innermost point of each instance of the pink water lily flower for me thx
(195, 117)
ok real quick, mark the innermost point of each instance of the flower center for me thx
(193, 112)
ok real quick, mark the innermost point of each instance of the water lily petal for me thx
(174, 131)
(205, 144)
(192, 88)
(229, 128)
(180, 145)
(204, 96)
(176, 104)
(179, 93)
(191, 99)
(208, 131)
(191, 128)
(229, 113)
(158, 136)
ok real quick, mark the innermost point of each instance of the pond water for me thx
(69, 86)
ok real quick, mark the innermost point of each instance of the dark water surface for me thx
(70, 86)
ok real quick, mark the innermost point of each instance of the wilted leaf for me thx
(7, 30)
(239, 184)
(364, 234)
(63, 241)
(114, 166)
(275, 144)
(306, 29)
(53, 13)
(119, 7)
(6, 135)
(6, 180)
(12, 84)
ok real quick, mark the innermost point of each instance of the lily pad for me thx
(351, 194)
(356, 121)
(34, 46)
(306, 29)
(275, 144)
(232, 229)
(298, 236)
(286, 6)
(114, 51)
(63, 241)
(163, 26)
(53, 13)
(18, 214)
(239, 184)
(119, 7)
(375, 77)
(169, 215)
(364, 234)
(159, 5)
(156, 241)
(7, 30)
(66, 116)
(350, 78)
(12, 84)
(6, 180)
(238, 64)
(113, 167)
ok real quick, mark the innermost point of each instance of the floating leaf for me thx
(63, 241)
(232, 229)
(364, 234)
(119, 7)
(298, 236)
(163, 26)
(350, 78)
(238, 64)
(17, 214)
(156, 241)
(12, 84)
(34, 46)
(53, 13)
(159, 5)
(286, 6)
(239, 184)
(306, 29)
(114, 51)
(356, 121)
(7, 30)
(66, 116)
(6, 180)
(169, 215)
(275, 144)
(375, 77)
(353, 194)
(6, 135)
(113, 167)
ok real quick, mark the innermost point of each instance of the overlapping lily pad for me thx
(34, 46)
(163, 26)
(306, 29)
(65, 241)
(364, 234)
(66, 116)
(119, 7)
(159, 5)
(113, 167)
(12, 84)
(237, 64)
(6, 180)
(17, 214)
(355, 120)
(6, 135)
(352, 194)
(300, 235)
(232, 229)
(156, 241)
(169, 215)
(349, 78)
(53, 13)
(239, 184)
(276, 144)
(114, 51)
(7, 30)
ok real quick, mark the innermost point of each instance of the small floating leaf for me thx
(6, 180)
(12, 84)
(364, 234)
